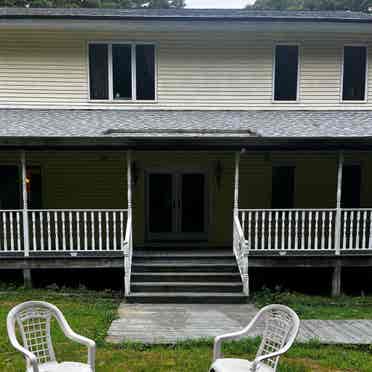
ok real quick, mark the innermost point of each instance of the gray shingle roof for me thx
(159, 123)
(186, 14)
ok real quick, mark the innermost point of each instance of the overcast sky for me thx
(212, 4)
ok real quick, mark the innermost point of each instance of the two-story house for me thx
(185, 146)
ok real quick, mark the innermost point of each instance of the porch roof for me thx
(35, 126)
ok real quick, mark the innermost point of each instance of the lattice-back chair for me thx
(279, 325)
(33, 319)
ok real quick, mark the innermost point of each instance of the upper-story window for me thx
(354, 73)
(286, 73)
(122, 71)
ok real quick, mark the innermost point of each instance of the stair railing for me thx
(241, 250)
(128, 253)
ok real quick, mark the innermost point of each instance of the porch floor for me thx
(169, 323)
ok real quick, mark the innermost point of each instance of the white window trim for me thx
(111, 99)
(348, 102)
(298, 98)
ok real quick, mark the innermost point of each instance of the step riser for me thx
(179, 269)
(185, 260)
(170, 277)
(188, 300)
(185, 288)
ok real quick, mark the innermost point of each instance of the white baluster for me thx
(323, 214)
(100, 230)
(107, 232)
(70, 223)
(33, 231)
(48, 231)
(11, 232)
(256, 229)
(364, 238)
(263, 216)
(370, 231)
(296, 230)
(283, 230)
(63, 231)
(114, 228)
(92, 230)
(330, 229)
(78, 229)
(289, 230)
(249, 237)
(276, 230)
(41, 221)
(344, 214)
(351, 231)
(243, 222)
(122, 230)
(269, 232)
(303, 230)
(56, 232)
(357, 238)
(310, 221)
(316, 230)
(18, 232)
(5, 231)
(85, 231)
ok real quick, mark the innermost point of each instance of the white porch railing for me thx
(64, 230)
(306, 229)
(241, 249)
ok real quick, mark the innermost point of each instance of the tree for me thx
(93, 3)
(355, 5)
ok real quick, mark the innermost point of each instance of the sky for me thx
(213, 4)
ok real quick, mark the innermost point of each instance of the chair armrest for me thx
(27, 354)
(226, 337)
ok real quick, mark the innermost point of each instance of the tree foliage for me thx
(165, 4)
(354, 5)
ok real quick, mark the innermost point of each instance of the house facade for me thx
(185, 146)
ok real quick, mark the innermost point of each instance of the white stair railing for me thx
(241, 250)
(128, 254)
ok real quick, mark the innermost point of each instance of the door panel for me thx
(176, 205)
(160, 202)
(192, 203)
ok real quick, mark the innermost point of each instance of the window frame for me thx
(342, 62)
(298, 98)
(133, 45)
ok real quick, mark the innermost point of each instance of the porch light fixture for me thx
(218, 170)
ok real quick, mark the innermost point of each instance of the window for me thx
(122, 71)
(286, 72)
(354, 73)
(282, 194)
(351, 183)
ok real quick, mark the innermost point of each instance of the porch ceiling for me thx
(33, 127)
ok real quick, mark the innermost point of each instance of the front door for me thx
(176, 205)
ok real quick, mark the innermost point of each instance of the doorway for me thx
(176, 205)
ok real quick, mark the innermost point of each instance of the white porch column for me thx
(338, 203)
(129, 181)
(236, 182)
(26, 237)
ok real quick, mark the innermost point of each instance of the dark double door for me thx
(176, 205)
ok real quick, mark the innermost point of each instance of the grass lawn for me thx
(90, 314)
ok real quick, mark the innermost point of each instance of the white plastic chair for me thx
(33, 319)
(281, 325)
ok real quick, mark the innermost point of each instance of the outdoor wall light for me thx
(218, 170)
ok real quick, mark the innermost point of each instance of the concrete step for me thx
(187, 297)
(185, 260)
(180, 253)
(186, 277)
(197, 266)
(178, 287)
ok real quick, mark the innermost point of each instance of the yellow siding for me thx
(196, 70)
(98, 180)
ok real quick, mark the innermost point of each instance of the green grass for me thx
(90, 314)
(317, 307)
